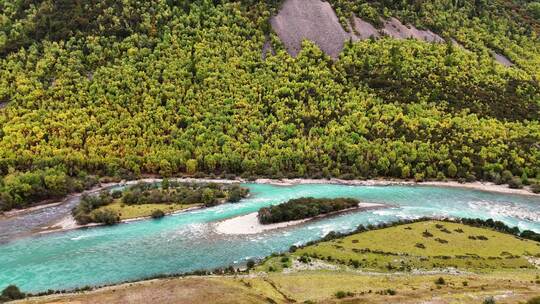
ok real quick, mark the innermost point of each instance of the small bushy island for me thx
(305, 207)
(106, 207)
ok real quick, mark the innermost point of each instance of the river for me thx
(188, 241)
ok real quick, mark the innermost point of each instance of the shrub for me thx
(116, 194)
(441, 241)
(427, 234)
(465, 283)
(535, 300)
(506, 176)
(489, 300)
(106, 216)
(420, 245)
(304, 259)
(12, 292)
(236, 194)
(524, 178)
(156, 214)
(535, 188)
(440, 176)
(342, 294)
(250, 264)
(515, 183)
(440, 281)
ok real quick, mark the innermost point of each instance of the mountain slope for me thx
(186, 91)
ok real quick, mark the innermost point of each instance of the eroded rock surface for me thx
(394, 28)
(502, 59)
(316, 21)
(361, 29)
(313, 20)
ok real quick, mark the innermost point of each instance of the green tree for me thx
(452, 170)
(191, 166)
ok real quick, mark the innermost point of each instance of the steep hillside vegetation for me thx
(176, 87)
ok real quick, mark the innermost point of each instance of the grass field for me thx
(144, 210)
(421, 246)
(315, 287)
(492, 264)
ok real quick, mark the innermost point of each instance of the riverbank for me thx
(249, 223)
(67, 223)
(481, 186)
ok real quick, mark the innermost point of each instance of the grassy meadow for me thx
(127, 212)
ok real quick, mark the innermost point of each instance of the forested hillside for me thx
(124, 88)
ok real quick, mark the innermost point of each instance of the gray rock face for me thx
(502, 59)
(361, 29)
(394, 28)
(312, 20)
(316, 21)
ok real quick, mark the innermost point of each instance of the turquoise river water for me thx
(188, 241)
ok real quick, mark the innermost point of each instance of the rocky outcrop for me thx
(313, 20)
(394, 28)
(361, 29)
(502, 59)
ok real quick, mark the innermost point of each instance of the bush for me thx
(157, 214)
(304, 259)
(106, 216)
(250, 264)
(515, 183)
(236, 193)
(12, 292)
(427, 234)
(116, 194)
(342, 294)
(506, 176)
(535, 300)
(489, 300)
(535, 188)
(440, 281)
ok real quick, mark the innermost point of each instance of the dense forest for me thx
(124, 88)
